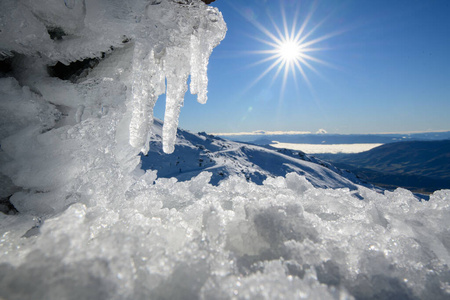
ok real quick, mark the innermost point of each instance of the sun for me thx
(290, 50)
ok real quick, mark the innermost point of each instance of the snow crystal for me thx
(92, 225)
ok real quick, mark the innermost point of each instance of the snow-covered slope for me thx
(195, 153)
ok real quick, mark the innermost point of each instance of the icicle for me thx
(203, 42)
(185, 51)
(148, 84)
(176, 67)
(199, 63)
(176, 88)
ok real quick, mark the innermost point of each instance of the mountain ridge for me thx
(333, 138)
(195, 153)
(417, 165)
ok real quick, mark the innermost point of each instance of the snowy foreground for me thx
(92, 225)
(282, 240)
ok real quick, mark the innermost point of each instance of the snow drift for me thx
(78, 83)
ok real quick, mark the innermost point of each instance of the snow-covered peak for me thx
(195, 153)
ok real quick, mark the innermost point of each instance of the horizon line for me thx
(263, 132)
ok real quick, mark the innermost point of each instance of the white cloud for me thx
(321, 131)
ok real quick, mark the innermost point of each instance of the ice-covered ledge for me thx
(59, 129)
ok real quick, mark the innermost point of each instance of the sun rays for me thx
(290, 48)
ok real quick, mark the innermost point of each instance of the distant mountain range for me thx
(421, 166)
(266, 139)
(195, 153)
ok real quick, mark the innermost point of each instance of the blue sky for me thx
(386, 69)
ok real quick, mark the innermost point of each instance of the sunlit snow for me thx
(89, 223)
(326, 148)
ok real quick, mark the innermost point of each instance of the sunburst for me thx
(291, 49)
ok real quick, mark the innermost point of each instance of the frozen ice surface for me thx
(188, 240)
(92, 225)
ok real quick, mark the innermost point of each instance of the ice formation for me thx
(171, 40)
(92, 225)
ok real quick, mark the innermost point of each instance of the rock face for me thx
(208, 1)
